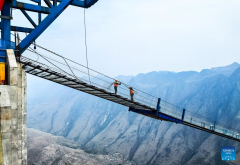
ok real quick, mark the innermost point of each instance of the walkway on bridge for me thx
(76, 77)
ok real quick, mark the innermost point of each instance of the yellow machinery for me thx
(2, 73)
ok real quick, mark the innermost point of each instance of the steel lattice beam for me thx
(53, 11)
(30, 7)
(28, 17)
(43, 25)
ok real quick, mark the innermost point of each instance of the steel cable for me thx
(85, 30)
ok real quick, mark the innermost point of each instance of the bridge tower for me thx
(13, 113)
(13, 86)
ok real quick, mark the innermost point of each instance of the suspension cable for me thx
(85, 30)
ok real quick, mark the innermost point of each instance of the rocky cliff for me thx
(44, 148)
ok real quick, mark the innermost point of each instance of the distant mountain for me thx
(44, 148)
(227, 70)
(102, 127)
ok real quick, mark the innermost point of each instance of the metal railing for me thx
(97, 79)
(80, 72)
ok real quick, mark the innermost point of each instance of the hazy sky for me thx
(139, 36)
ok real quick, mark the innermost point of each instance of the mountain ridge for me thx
(99, 126)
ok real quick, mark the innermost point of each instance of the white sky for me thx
(139, 36)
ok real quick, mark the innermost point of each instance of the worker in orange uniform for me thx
(116, 83)
(131, 92)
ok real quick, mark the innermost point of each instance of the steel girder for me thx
(53, 11)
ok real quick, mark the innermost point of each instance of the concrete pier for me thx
(13, 149)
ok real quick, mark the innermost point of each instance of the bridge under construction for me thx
(14, 63)
(98, 85)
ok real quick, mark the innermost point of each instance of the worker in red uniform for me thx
(1, 4)
(116, 83)
(131, 92)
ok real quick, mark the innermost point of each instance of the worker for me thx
(131, 92)
(116, 83)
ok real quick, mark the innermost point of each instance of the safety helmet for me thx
(115, 79)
